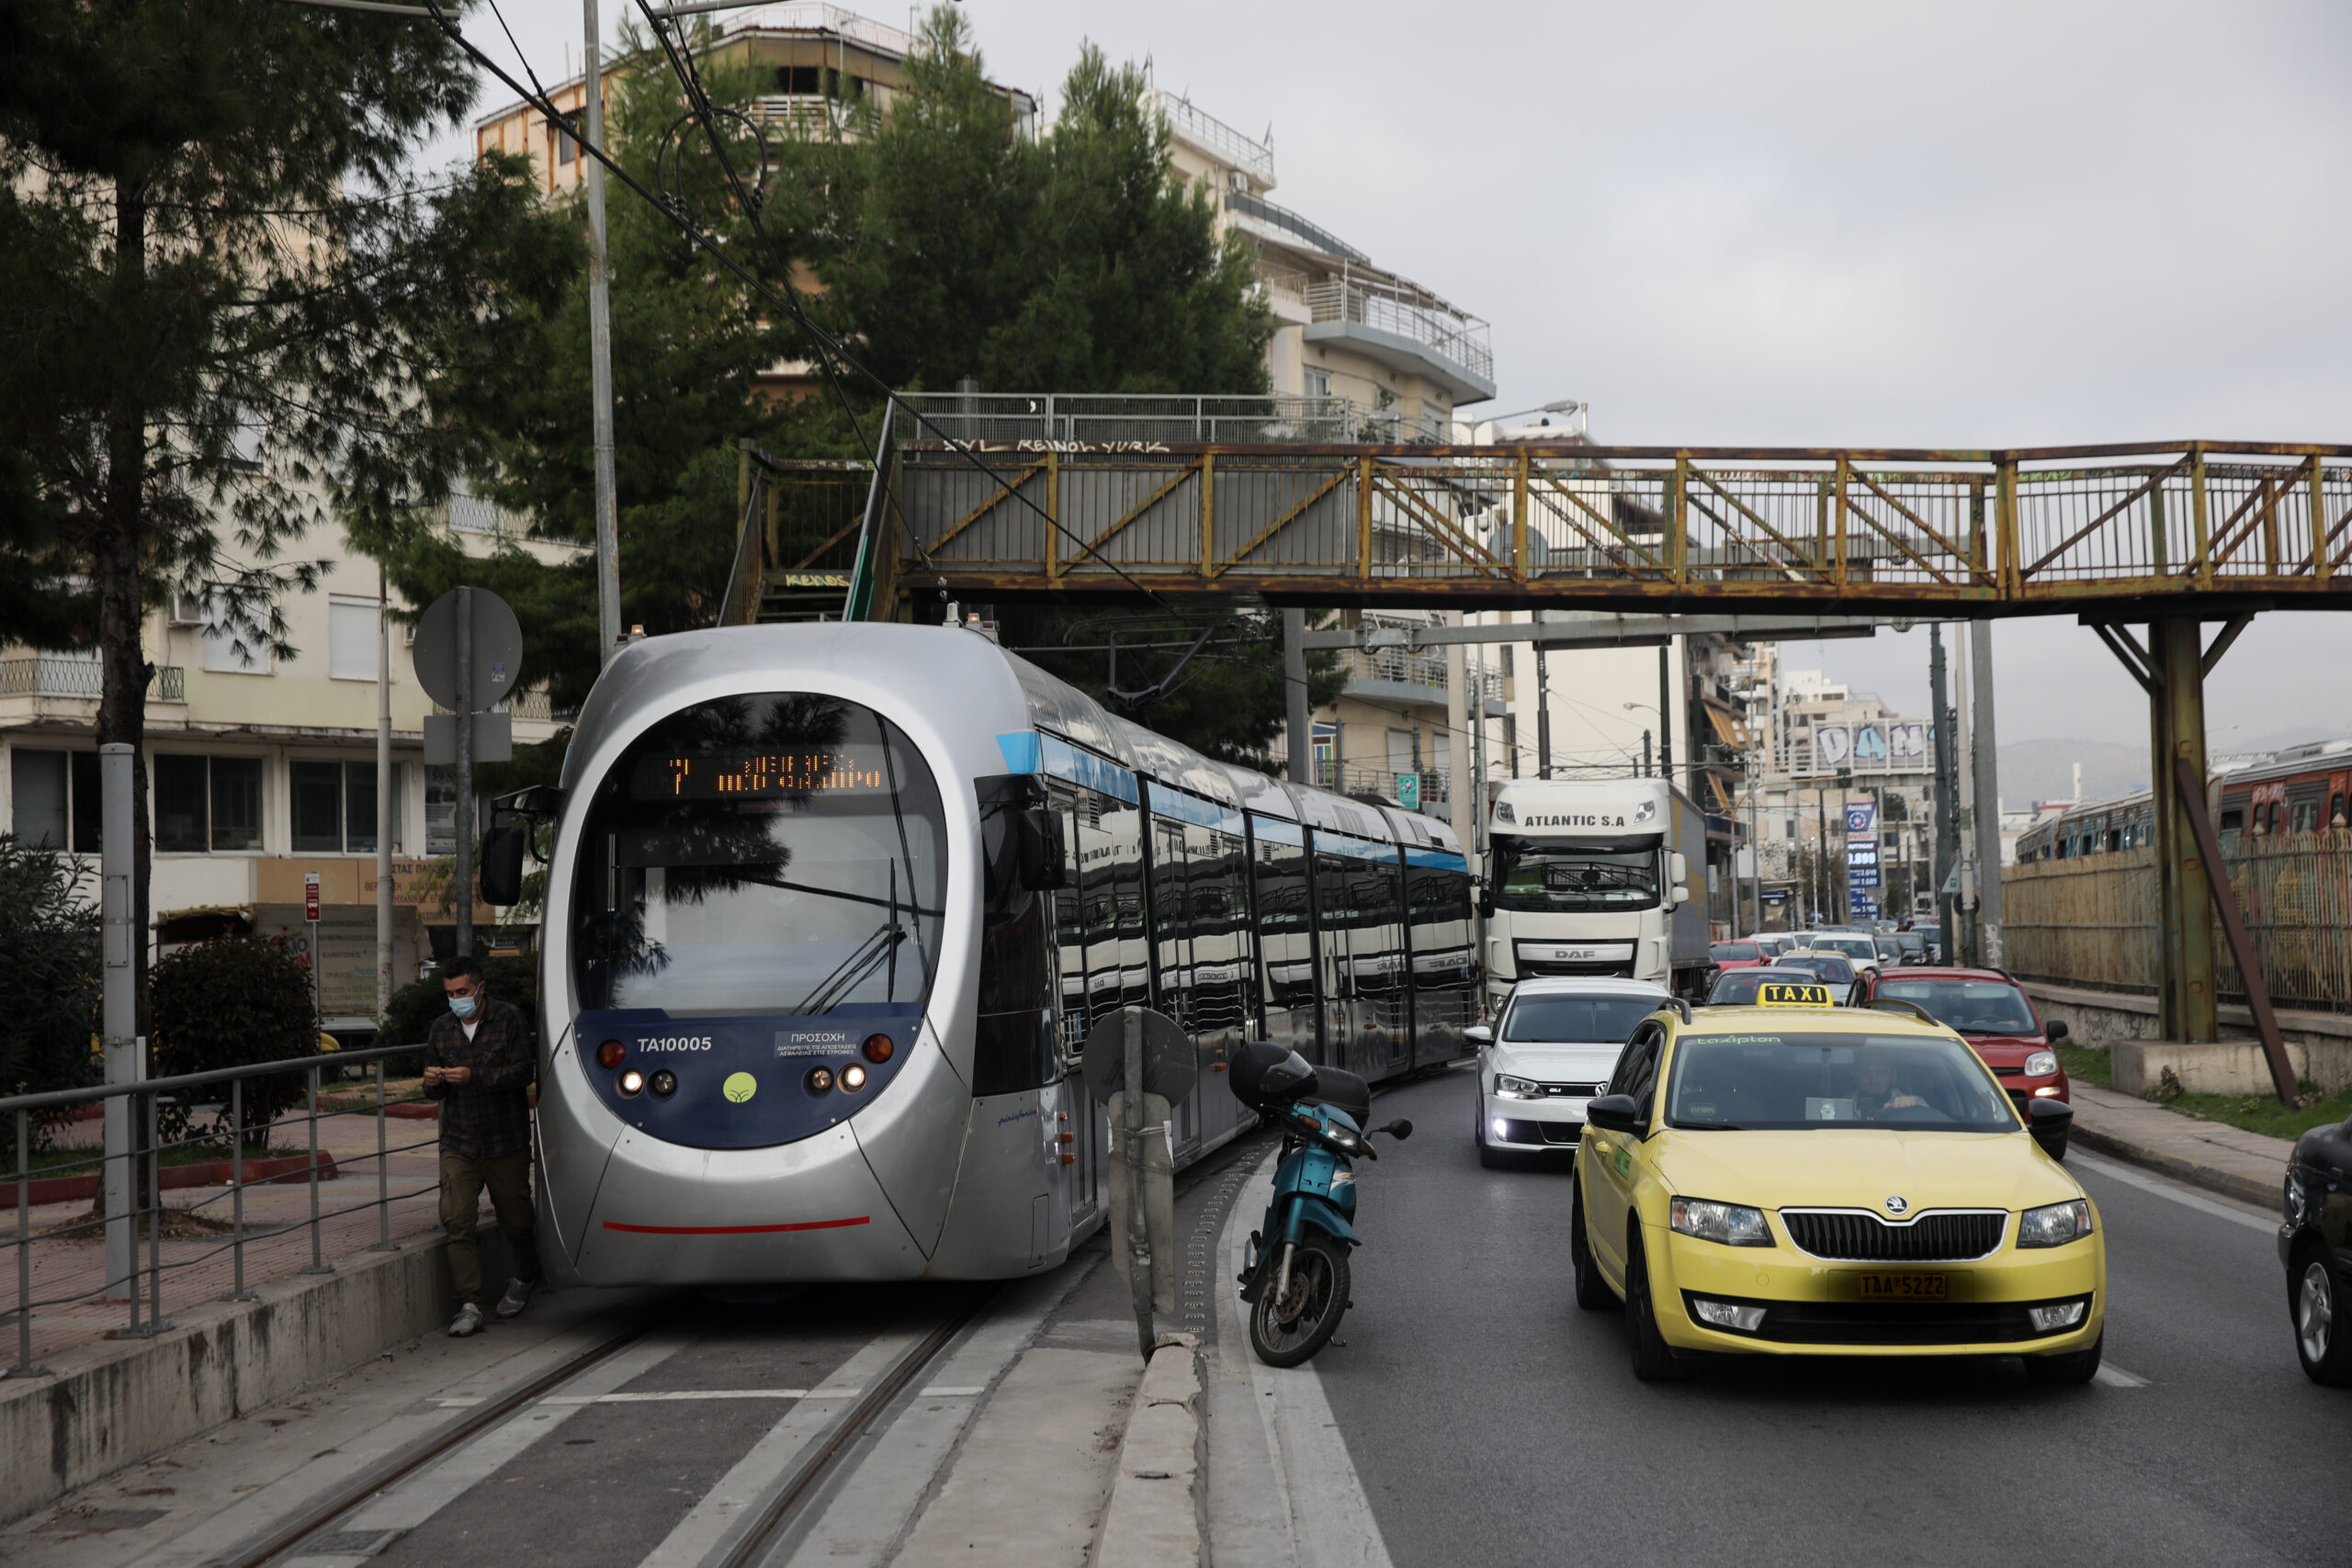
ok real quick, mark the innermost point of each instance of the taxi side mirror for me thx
(1615, 1113)
(2048, 1121)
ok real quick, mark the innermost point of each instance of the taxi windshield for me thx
(1794, 1079)
(1972, 1007)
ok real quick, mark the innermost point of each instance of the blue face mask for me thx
(463, 1006)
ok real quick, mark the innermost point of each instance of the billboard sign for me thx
(1861, 821)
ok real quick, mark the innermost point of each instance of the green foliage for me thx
(1222, 694)
(49, 979)
(229, 1003)
(418, 1003)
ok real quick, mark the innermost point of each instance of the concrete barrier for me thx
(1153, 1519)
(2318, 1043)
(113, 1403)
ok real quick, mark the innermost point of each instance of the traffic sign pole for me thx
(311, 913)
(464, 877)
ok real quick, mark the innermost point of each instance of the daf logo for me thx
(1898, 1205)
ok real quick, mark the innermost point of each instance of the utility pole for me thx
(1947, 803)
(385, 805)
(1821, 843)
(1543, 715)
(1666, 712)
(1988, 799)
(1964, 797)
(1755, 843)
(1302, 718)
(600, 368)
(119, 1010)
(465, 816)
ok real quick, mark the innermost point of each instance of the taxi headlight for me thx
(2041, 1065)
(1733, 1224)
(1509, 1088)
(2055, 1224)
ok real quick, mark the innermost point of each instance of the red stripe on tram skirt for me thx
(734, 1230)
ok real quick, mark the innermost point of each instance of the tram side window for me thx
(1071, 933)
(1013, 1043)
(1286, 935)
(1219, 897)
(1438, 898)
(1380, 962)
(1171, 926)
(1336, 918)
(1109, 838)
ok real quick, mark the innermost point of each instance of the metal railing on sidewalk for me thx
(156, 1103)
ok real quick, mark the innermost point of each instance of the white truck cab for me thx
(1595, 877)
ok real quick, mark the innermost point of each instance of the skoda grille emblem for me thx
(1898, 1205)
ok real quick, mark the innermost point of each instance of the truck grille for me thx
(1857, 1236)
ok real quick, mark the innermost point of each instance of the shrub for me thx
(228, 1003)
(417, 1004)
(49, 980)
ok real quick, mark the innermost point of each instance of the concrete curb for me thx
(113, 1403)
(2229, 1184)
(1153, 1519)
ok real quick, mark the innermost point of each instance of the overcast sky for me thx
(1821, 224)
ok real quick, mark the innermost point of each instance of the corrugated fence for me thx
(2092, 922)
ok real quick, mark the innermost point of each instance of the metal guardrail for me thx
(1036, 421)
(1360, 778)
(147, 1096)
(1412, 669)
(1408, 313)
(1211, 134)
(55, 675)
(1275, 216)
(2050, 529)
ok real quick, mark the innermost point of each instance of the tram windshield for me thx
(771, 854)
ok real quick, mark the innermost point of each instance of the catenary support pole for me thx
(600, 361)
(1543, 715)
(386, 806)
(118, 1010)
(1963, 740)
(1666, 711)
(1301, 716)
(462, 891)
(1988, 796)
(1947, 806)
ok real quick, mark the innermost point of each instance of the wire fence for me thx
(101, 1248)
(2092, 921)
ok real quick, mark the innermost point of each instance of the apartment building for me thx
(262, 770)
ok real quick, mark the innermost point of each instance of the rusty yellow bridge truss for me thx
(2052, 530)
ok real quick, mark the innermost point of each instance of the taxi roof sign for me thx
(1793, 994)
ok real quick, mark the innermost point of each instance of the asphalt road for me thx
(1491, 1422)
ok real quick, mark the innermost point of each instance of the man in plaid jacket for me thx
(478, 1064)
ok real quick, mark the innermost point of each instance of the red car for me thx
(1992, 1013)
(1737, 955)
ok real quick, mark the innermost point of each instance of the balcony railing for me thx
(1101, 419)
(68, 675)
(1360, 778)
(1215, 137)
(1410, 668)
(1282, 219)
(1408, 312)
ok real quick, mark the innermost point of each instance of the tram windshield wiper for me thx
(893, 902)
(851, 971)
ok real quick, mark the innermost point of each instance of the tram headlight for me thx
(820, 1080)
(853, 1078)
(665, 1083)
(609, 1055)
(878, 1047)
(631, 1082)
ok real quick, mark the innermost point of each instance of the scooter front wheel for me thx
(1288, 1326)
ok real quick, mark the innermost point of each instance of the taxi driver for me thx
(1875, 1091)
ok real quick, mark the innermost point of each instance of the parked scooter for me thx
(1294, 1276)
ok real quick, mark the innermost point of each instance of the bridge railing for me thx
(1394, 523)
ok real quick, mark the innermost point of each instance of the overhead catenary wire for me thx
(817, 334)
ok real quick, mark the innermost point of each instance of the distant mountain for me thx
(2034, 770)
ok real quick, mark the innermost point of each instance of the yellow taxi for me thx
(1800, 1179)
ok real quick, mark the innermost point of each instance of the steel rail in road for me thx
(2167, 527)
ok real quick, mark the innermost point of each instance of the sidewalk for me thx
(2248, 1167)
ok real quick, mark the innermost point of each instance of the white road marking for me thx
(728, 1507)
(2146, 1182)
(873, 1507)
(2114, 1376)
(1331, 1519)
(417, 1499)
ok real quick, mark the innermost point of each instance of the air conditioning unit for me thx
(187, 609)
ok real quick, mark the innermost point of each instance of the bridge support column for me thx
(2188, 1010)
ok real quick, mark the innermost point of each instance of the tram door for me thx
(1074, 931)
(1108, 862)
(1286, 937)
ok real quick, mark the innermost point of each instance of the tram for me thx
(2304, 789)
(832, 911)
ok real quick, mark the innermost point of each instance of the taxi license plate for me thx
(1904, 1287)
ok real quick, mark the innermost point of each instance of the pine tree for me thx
(228, 312)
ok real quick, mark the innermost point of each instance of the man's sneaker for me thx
(468, 1321)
(517, 1297)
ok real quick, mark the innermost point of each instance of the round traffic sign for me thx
(497, 649)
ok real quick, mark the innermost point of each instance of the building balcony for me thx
(1401, 675)
(1215, 139)
(1406, 328)
(1273, 221)
(79, 678)
(1362, 779)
